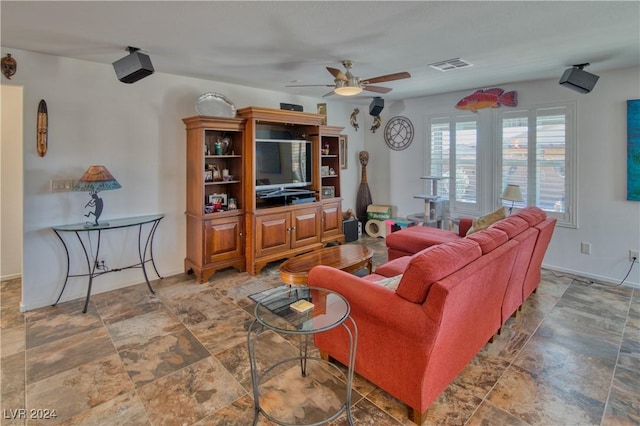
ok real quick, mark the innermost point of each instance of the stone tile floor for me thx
(570, 357)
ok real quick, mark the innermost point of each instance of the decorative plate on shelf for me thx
(215, 105)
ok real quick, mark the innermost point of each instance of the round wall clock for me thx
(398, 133)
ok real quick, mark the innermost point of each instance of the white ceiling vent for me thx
(450, 64)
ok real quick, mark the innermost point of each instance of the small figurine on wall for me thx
(375, 108)
(354, 118)
(377, 121)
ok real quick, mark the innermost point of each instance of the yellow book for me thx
(301, 306)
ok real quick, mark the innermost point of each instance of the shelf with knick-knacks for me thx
(330, 161)
(219, 173)
(215, 195)
(223, 166)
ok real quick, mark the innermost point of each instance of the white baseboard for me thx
(10, 277)
(599, 278)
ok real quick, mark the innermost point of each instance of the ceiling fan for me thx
(346, 84)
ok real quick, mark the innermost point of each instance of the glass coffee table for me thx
(284, 312)
(347, 257)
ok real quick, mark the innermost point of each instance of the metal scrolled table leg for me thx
(142, 253)
(152, 235)
(90, 269)
(353, 343)
(251, 344)
(66, 250)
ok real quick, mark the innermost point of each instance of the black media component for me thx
(290, 107)
(376, 106)
(578, 79)
(350, 230)
(133, 67)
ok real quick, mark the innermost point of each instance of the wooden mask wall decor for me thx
(9, 66)
(42, 125)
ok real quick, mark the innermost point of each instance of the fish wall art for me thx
(489, 98)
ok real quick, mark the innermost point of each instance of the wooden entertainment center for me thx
(259, 226)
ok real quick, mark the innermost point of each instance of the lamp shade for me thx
(512, 193)
(97, 178)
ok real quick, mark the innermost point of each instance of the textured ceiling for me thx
(273, 44)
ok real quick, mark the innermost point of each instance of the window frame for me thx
(568, 218)
(452, 120)
(489, 160)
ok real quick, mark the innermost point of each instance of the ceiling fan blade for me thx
(328, 94)
(339, 75)
(378, 89)
(388, 77)
(310, 85)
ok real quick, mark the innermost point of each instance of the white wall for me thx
(137, 132)
(605, 219)
(11, 182)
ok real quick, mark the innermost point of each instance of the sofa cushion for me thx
(533, 215)
(391, 283)
(416, 238)
(433, 264)
(512, 225)
(373, 277)
(483, 222)
(489, 239)
(395, 266)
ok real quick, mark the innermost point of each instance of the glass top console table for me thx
(145, 248)
(281, 312)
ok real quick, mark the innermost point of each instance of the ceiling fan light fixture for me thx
(347, 87)
(348, 90)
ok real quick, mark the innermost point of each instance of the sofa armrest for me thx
(464, 224)
(375, 302)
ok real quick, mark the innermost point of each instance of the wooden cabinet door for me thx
(306, 227)
(273, 233)
(223, 239)
(331, 219)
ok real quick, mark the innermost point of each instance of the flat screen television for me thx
(282, 164)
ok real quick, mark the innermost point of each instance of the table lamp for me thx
(512, 193)
(94, 180)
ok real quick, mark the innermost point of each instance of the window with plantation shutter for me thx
(454, 155)
(535, 149)
(537, 152)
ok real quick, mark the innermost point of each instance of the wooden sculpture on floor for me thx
(364, 195)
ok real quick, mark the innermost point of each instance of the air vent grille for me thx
(450, 65)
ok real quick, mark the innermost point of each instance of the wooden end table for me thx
(347, 257)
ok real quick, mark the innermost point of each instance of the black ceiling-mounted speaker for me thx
(578, 79)
(133, 67)
(376, 106)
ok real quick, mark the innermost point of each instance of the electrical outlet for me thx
(585, 248)
(632, 254)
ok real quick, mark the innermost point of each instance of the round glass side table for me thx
(302, 312)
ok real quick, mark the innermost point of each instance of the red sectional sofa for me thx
(530, 227)
(451, 299)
